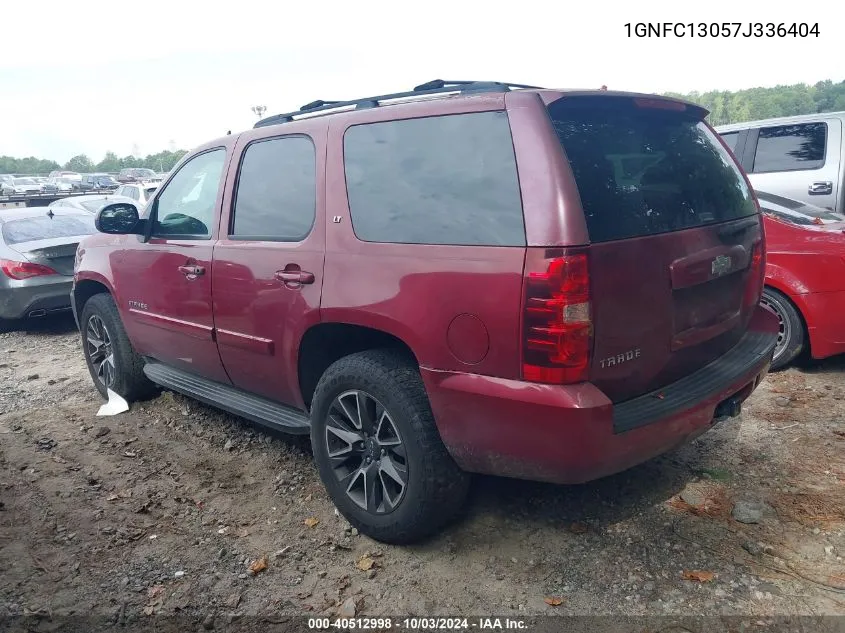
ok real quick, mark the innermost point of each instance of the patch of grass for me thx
(717, 474)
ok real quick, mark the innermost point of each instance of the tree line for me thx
(765, 103)
(160, 162)
(725, 106)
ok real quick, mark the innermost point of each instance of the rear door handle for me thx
(824, 188)
(192, 272)
(294, 276)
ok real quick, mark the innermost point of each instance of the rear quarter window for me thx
(438, 180)
(645, 171)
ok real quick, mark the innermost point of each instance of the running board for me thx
(231, 399)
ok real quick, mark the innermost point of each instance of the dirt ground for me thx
(162, 510)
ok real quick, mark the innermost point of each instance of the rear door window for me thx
(731, 139)
(45, 227)
(790, 147)
(643, 171)
(438, 180)
(276, 198)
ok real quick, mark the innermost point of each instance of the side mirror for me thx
(119, 218)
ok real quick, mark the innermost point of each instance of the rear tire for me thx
(415, 487)
(791, 335)
(112, 362)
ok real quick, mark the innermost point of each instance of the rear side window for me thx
(644, 171)
(439, 180)
(731, 139)
(277, 189)
(45, 227)
(790, 147)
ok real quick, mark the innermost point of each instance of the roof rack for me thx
(434, 87)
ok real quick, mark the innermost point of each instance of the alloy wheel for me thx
(366, 452)
(98, 347)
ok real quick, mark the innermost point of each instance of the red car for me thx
(464, 277)
(805, 277)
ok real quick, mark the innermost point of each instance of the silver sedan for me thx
(37, 252)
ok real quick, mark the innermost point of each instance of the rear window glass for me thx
(645, 171)
(438, 180)
(45, 227)
(93, 205)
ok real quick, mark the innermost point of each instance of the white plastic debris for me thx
(116, 404)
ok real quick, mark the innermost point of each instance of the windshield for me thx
(795, 211)
(45, 227)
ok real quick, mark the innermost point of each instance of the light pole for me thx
(259, 110)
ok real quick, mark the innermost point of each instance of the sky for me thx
(142, 77)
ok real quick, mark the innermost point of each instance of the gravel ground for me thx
(172, 507)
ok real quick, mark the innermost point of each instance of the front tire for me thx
(112, 362)
(378, 450)
(791, 327)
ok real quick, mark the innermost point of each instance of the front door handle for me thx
(192, 272)
(293, 275)
(823, 188)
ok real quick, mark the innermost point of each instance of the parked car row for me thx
(37, 245)
(69, 181)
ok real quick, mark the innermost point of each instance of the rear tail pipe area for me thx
(729, 408)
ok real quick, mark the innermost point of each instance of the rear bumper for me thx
(572, 434)
(823, 313)
(23, 299)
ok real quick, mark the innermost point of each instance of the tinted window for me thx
(440, 180)
(790, 147)
(185, 207)
(644, 171)
(45, 227)
(731, 139)
(277, 190)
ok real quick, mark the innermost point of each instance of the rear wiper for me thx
(738, 227)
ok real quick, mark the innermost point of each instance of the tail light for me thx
(557, 327)
(24, 270)
(756, 274)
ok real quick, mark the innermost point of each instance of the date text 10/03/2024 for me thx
(417, 624)
(721, 29)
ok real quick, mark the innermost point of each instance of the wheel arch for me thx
(800, 308)
(86, 288)
(324, 343)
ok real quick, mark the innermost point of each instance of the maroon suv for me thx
(466, 277)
